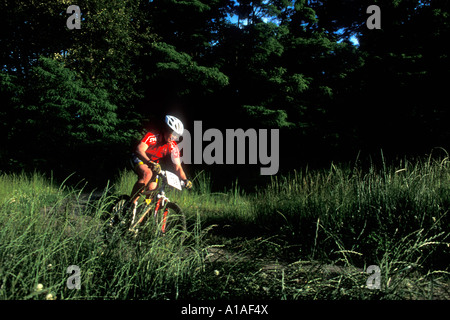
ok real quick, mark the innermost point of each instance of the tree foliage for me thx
(267, 63)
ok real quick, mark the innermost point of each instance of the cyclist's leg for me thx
(144, 176)
(152, 185)
(140, 169)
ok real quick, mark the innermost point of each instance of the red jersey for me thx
(157, 148)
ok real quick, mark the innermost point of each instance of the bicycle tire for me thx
(117, 223)
(171, 220)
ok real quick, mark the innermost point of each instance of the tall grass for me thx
(44, 229)
(359, 211)
(324, 226)
(395, 216)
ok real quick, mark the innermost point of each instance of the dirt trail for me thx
(221, 254)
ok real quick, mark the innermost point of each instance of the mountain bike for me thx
(156, 215)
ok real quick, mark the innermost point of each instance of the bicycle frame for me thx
(159, 194)
(167, 215)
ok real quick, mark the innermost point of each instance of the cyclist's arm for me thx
(179, 170)
(140, 152)
(176, 160)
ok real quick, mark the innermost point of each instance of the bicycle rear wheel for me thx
(118, 221)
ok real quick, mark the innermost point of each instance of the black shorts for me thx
(135, 161)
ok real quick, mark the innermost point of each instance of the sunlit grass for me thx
(342, 218)
(41, 236)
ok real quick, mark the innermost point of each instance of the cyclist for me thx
(157, 144)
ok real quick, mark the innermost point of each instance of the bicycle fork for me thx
(162, 201)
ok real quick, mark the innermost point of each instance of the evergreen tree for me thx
(400, 99)
(285, 64)
(58, 119)
(29, 29)
(106, 53)
(179, 75)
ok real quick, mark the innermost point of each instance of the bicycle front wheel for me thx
(171, 221)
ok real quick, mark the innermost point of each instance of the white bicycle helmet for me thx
(175, 124)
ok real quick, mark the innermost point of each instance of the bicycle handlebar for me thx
(163, 173)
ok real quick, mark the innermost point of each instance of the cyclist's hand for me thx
(154, 166)
(187, 184)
